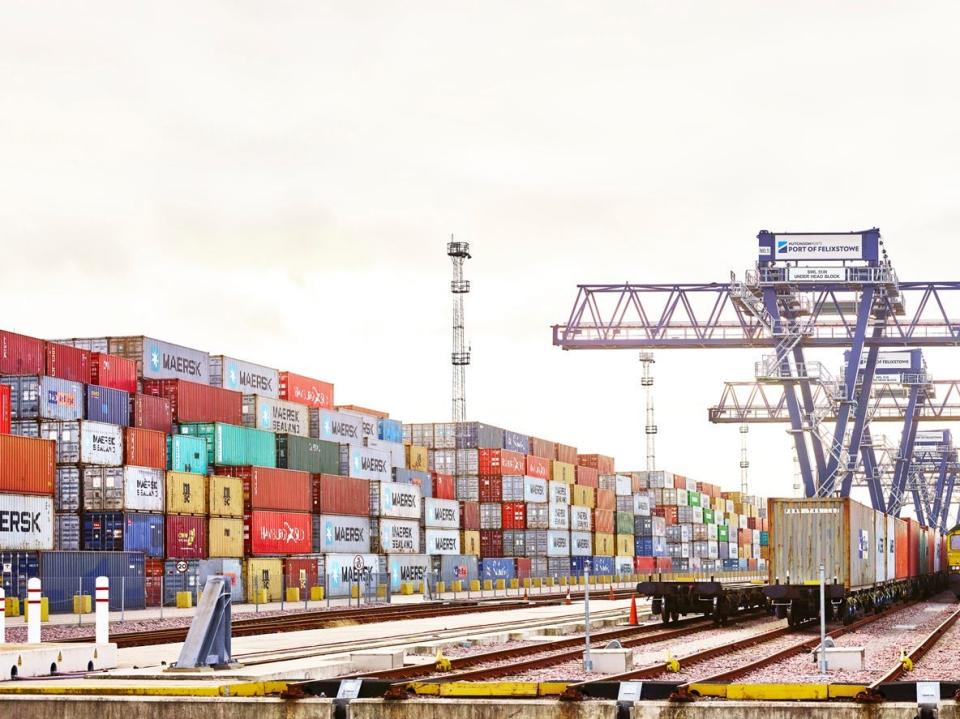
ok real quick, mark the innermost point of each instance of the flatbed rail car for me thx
(953, 559)
(870, 559)
(713, 598)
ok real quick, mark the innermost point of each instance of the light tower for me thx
(744, 462)
(460, 356)
(646, 359)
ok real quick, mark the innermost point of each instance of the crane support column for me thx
(860, 414)
(938, 492)
(902, 465)
(870, 470)
(947, 500)
(809, 409)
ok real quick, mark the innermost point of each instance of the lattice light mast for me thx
(744, 462)
(460, 356)
(646, 381)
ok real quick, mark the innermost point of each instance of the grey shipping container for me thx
(66, 532)
(176, 581)
(539, 566)
(232, 569)
(63, 574)
(491, 515)
(102, 489)
(558, 567)
(468, 489)
(838, 531)
(25, 428)
(67, 494)
(36, 397)
(162, 360)
(477, 435)
(244, 377)
(456, 567)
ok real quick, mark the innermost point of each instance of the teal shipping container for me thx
(235, 446)
(307, 454)
(186, 454)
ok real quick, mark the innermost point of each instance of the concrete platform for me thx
(18, 661)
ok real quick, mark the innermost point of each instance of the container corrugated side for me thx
(306, 454)
(333, 494)
(186, 493)
(195, 402)
(234, 445)
(101, 444)
(225, 537)
(407, 568)
(20, 354)
(186, 536)
(145, 447)
(18, 568)
(267, 532)
(27, 466)
(266, 574)
(187, 453)
(339, 427)
(62, 573)
(113, 371)
(231, 569)
(342, 571)
(67, 362)
(285, 490)
(276, 415)
(157, 359)
(341, 534)
(304, 390)
(151, 412)
(225, 496)
(26, 522)
(244, 377)
(105, 404)
(39, 397)
(5, 409)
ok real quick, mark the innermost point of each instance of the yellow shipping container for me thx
(604, 545)
(625, 545)
(584, 496)
(263, 574)
(225, 536)
(470, 542)
(562, 472)
(416, 457)
(226, 497)
(187, 493)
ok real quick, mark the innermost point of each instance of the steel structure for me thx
(460, 355)
(646, 381)
(807, 291)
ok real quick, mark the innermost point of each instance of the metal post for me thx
(3, 616)
(162, 600)
(823, 622)
(587, 661)
(33, 606)
(283, 589)
(123, 596)
(102, 598)
(256, 595)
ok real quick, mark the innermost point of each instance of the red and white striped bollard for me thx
(34, 606)
(103, 610)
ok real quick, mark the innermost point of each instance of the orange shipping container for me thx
(588, 476)
(603, 521)
(606, 499)
(600, 462)
(145, 447)
(538, 467)
(26, 465)
(566, 453)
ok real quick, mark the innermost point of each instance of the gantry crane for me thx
(806, 291)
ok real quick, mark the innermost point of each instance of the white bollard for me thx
(3, 616)
(103, 610)
(33, 601)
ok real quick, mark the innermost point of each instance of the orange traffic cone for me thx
(611, 595)
(566, 599)
(632, 619)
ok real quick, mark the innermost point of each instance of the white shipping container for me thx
(399, 536)
(368, 424)
(441, 513)
(581, 544)
(162, 360)
(534, 490)
(558, 516)
(101, 444)
(345, 570)
(402, 501)
(712, 532)
(641, 505)
(879, 546)
(26, 522)
(559, 492)
(143, 489)
(407, 568)
(690, 485)
(580, 519)
(623, 566)
(558, 543)
(394, 449)
(339, 427)
(891, 530)
(342, 534)
(244, 377)
(682, 500)
(624, 485)
(369, 463)
(276, 415)
(442, 541)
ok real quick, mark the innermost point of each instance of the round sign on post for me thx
(181, 566)
(358, 563)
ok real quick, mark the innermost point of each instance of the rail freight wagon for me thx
(870, 559)
(953, 559)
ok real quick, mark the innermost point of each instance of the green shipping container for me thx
(308, 455)
(624, 522)
(707, 516)
(186, 454)
(693, 499)
(723, 533)
(235, 446)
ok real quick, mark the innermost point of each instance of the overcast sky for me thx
(277, 181)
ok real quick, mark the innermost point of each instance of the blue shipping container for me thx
(390, 430)
(598, 565)
(413, 476)
(660, 547)
(34, 397)
(186, 453)
(15, 569)
(499, 568)
(643, 546)
(64, 574)
(123, 532)
(105, 404)
(516, 442)
(731, 565)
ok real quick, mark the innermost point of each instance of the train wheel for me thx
(675, 615)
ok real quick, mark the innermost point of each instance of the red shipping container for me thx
(603, 521)
(113, 371)
(599, 462)
(664, 564)
(587, 477)
(149, 412)
(4, 409)
(380, 414)
(153, 581)
(513, 515)
(144, 448)
(301, 573)
(606, 499)
(20, 354)
(303, 390)
(333, 494)
(186, 536)
(27, 465)
(566, 453)
(523, 567)
(500, 461)
(444, 486)
(541, 448)
(491, 487)
(194, 402)
(644, 564)
(66, 362)
(271, 533)
(285, 490)
(538, 467)
(470, 516)
(491, 542)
